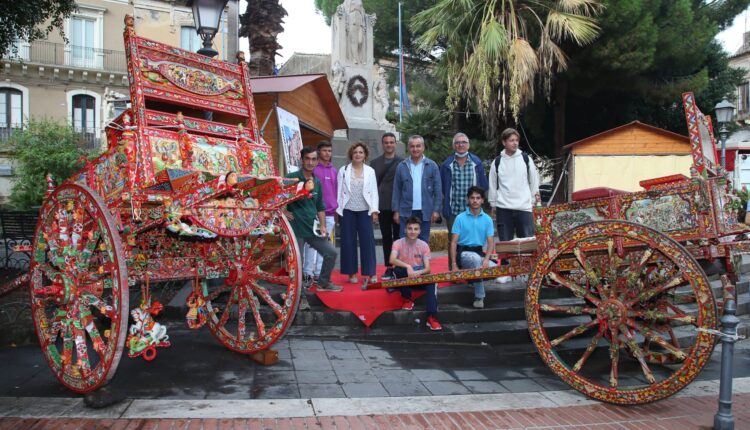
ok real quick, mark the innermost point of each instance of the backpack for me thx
(525, 160)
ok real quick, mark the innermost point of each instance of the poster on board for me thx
(291, 139)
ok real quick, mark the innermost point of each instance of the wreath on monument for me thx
(357, 83)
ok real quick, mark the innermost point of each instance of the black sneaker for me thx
(388, 275)
(307, 281)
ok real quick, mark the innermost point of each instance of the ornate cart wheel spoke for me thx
(638, 353)
(576, 289)
(614, 359)
(570, 310)
(587, 353)
(267, 265)
(266, 296)
(75, 309)
(649, 282)
(259, 324)
(575, 332)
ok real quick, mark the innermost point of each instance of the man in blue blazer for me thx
(417, 190)
(460, 171)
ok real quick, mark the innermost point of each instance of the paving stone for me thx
(484, 387)
(400, 389)
(316, 377)
(364, 389)
(304, 364)
(469, 375)
(522, 386)
(286, 391)
(395, 375)
(344, 354)
(500, 373)
(335, 346)
(309, 354)
(554, 384)
(274, 377)
(321, 390)
(432, 375)
(445, 388)
(351, 375)
(305, 344)
(351, 364)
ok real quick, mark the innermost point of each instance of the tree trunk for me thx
(261, 23)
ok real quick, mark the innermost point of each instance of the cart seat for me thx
(596, 193)
(517, 246)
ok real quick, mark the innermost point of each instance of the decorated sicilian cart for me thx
(617, 303)
(174, 197)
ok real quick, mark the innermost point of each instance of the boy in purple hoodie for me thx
(327, 175)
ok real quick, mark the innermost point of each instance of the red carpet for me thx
(369, 305)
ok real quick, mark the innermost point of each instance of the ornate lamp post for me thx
(207, 17)
(724, 113)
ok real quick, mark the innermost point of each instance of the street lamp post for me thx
(207, 17)
(724, 113)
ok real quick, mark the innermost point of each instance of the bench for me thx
(17, 229)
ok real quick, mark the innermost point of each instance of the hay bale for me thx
(439, 240)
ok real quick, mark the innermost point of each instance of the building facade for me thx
(83, 82)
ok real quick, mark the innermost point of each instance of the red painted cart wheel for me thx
(79, 290)
(255, 305)
(621, 327)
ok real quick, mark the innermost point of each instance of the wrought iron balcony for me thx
(58, 54)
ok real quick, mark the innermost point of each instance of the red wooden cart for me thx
(174, 197)
(622, 270)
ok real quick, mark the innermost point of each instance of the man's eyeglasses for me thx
(461, 142)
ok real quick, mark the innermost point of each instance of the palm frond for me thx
(581, 29)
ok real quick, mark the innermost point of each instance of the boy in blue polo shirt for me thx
(472, 240)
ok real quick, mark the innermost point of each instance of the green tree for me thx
(40, 148)
(649, 53)
(385, 31)
(23, 20)
(496, 51)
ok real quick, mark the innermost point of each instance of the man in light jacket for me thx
(460, 171)
(514, 190)
(417, 189)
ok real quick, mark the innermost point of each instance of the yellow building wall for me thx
(623, 172)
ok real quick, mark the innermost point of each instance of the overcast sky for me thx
(306, 31)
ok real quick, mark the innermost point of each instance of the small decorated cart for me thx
(174, 197)
(614, 278)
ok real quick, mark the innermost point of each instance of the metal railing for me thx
(58, 54)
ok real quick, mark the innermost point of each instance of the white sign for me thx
(291, 137)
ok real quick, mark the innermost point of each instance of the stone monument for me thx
(362, 93)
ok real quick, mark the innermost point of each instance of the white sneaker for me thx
(503, 279)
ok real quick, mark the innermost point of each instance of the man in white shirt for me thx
(514, 190)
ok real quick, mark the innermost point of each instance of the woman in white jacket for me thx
(358, 208)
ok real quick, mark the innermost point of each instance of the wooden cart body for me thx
(175, 196)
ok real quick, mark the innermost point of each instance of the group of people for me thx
(405, 197)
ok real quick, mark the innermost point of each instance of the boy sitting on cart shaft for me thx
(473, 239)
(410, 257)
(302, 214)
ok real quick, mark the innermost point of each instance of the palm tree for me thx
(261, 23)
(493, 52)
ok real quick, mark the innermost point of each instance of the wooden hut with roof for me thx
(623, 156)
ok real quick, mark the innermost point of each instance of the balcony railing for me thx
(58, 54)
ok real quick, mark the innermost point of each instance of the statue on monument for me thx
(380, 97)
(356, 31)
(338, 80)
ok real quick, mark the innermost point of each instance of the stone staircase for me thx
(501, 322)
